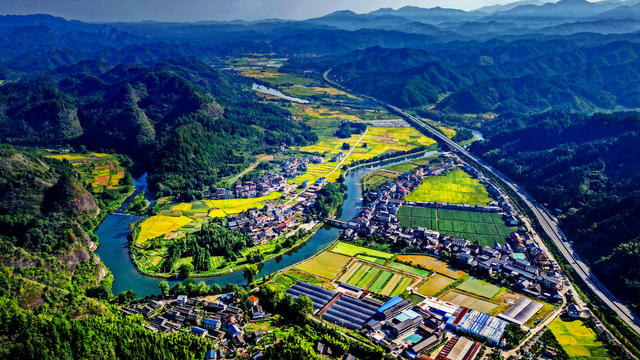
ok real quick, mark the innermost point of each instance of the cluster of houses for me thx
(265, 184)
(520, 259)
(219, 320)
(272, 221)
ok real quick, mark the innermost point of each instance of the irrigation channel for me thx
(114, 247)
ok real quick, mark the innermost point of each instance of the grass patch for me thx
(455, 187)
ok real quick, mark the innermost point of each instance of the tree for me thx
(364, 145)
(346, 146)
(250, 272)
(184, 270)
(164, 287)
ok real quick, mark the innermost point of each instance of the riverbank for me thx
(229, 269)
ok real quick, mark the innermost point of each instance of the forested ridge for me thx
(181, 119)
(524, 77)
(589, 168)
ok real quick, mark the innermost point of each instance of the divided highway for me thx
(549, 226)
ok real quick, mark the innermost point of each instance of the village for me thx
(519, 259)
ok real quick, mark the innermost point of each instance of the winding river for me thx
(114, 247)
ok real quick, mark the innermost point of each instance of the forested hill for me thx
(533, 76)
(589, 168)
(181, 120)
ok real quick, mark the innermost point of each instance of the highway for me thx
(547, 223)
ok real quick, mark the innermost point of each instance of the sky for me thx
(202, 10)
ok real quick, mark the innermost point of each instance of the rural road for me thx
(549, 226)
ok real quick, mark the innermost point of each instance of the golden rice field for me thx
(224, 207)
(434, 284)
(577, 340)
(453, 187)
(379, 140)
(447, 131)
(160, 225)
(321, 112)
(326, 265)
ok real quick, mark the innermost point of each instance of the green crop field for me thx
(409, 269)
(402, 286)
(382, 279)
(479, 287)
(482, 228)
(373, 259)
(363, 270)
(434, 284)
(327, 264)
(432, 264)
(368, 278)
(578, 340)
(353, 250)
(455, 187)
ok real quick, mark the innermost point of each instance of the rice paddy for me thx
(455, 187)
(471, 302)
(225, 207)
(434, 284)
(432, 264)
(326, 265)
(160, 225)
(577, 340)
(479, 287)
(479, 227)
(353, 250)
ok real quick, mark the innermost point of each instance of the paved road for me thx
(549, 226)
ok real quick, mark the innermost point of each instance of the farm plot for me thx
(368, 278)
(226, 207)
(363, 270)
(373, 259)
(432, 264)
(353, 250)
(434, 284)
(455, 186)
(468, 301)
(381, 281)
(160, 225)
(396, 285)
(326, 265)
(577, 340)
(409, 269)
(485, 229)
(479, 287)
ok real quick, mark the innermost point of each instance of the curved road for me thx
(549, 226)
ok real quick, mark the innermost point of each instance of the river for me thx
(269, 91)
(114, 247)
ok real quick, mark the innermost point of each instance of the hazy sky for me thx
(196, 10)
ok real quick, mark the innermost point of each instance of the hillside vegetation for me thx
(182, 120)
(589, 168)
